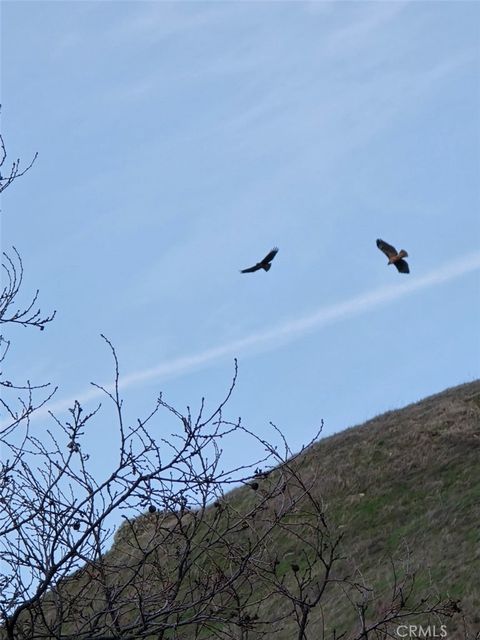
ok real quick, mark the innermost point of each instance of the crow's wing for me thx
(252, 269)
(402, 266)
(387, 249)
(270, 256)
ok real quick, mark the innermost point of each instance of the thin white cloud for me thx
(360, 30)
(286, 332)
(151, 22)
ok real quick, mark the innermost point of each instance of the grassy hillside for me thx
(402, 491)
(406, 485)
(410, 480)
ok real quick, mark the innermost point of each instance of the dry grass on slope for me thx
(400, 495)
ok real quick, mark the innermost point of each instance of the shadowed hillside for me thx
(400, 511)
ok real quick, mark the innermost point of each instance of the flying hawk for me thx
(394, 257)
(263, 264)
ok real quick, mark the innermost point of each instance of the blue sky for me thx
(180, 141)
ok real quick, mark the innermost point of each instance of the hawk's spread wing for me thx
(270, 256)
(252, 269)
(402, 266)
(387, 249)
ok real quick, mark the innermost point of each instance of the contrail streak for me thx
(287, 331)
